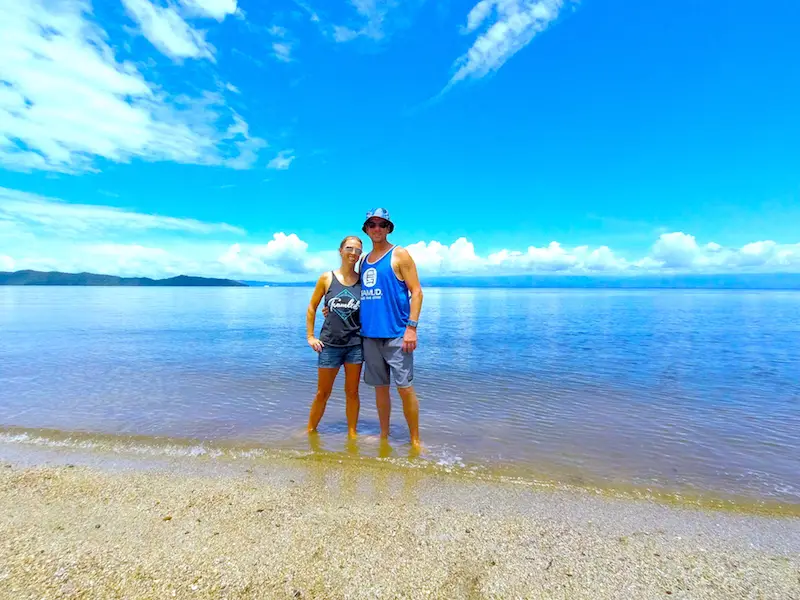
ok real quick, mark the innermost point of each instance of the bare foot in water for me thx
(384, 450)
(416, 450)
(314, 441)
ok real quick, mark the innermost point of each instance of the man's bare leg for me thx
(383, 402)
(411, 411)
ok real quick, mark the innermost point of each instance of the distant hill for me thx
(57, 278)
(746, 281)
(280, 283)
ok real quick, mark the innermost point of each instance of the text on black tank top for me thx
(342, 326)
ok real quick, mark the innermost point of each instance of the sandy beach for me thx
(322, 531)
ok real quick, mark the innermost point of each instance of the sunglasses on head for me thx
(381, 224)
(352, 250)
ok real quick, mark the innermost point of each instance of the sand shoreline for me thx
(320, 531)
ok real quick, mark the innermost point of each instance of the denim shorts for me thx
(333, 357)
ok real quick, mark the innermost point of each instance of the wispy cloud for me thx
(50, 216)
(282, 161)
(168, 29)
(215, 9)
(373, 14)
(278, 31)
(373, 20)
(164, 27)
(65, 100)
(507, 26)
(282, 51)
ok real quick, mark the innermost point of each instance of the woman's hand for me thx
(315, 344)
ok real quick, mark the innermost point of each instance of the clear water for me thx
(678, 390)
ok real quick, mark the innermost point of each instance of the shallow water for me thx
(689, 391)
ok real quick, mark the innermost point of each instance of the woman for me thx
(339, 342)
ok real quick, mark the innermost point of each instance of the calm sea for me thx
(685, 391)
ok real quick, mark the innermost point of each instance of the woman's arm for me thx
(323, 283)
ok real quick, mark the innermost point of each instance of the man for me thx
(389, 321)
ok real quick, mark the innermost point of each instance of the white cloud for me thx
(37, 232)
(680, 252)
(371, 14)
(168, 31)
(232, 88)
(282, 161)
(282, 51)
(374, 20)
(549, 258)
(282, 255)
(39, 214)
(132, 260)
(215, 9)
(166, 27)
(288, 257)
(600, 259)
(510, 25)
(458, 257)
(676, 250)
(65, 100)
(344, 34)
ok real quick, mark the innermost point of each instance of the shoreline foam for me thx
(20, 441)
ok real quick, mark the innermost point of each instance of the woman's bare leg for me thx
(352, 376)
(325, 380)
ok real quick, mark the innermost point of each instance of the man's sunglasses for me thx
(352, 250)
(381, 224)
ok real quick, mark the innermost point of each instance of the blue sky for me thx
(243, 138)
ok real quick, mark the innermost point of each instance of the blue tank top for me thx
(385, 303)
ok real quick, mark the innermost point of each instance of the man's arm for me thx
(407, 269)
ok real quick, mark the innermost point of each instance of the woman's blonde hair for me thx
(351, 237)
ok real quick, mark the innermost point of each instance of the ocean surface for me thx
(683, 392)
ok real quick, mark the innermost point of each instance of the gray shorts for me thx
(386, 363)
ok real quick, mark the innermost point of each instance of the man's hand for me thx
(410, 340)
(315, 344)
(325, 311)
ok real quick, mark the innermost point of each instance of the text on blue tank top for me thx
(385, 303)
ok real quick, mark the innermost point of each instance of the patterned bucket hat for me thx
(380, 213)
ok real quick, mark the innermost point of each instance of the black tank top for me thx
(342, 326)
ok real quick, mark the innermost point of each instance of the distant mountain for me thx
(280, 283)
(747, 281)
(56, 278)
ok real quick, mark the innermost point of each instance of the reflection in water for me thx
(662, 388)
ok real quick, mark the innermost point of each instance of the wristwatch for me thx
(411, 323)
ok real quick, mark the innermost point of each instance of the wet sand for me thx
(327, 531)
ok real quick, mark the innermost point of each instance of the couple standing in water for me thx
(371, 307)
